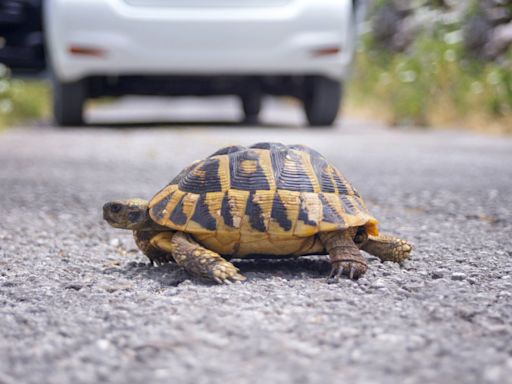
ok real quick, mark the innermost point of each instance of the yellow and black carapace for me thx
(269, 199)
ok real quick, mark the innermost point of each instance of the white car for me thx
(247, 48)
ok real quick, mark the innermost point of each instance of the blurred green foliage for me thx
(433, 80)
(22, 100)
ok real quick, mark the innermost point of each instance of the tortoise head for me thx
(127, 214)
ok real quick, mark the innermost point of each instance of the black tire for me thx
(68, 102)
(322, 99)
(251, 104)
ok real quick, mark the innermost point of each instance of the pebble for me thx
(458, 276)
(115, 242)
(414, 286)
(437, 274)
(103, 344)
(493, 374)
(379, 283)
(75, 286)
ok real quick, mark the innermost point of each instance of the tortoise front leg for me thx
(155, 255)
(387, 248)
(196, 259)
(344, 254)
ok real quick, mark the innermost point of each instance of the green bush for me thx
(432, 81)
(22, 100)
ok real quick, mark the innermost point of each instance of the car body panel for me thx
(200, 37)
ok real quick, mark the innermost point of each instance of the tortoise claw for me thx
(335, 274)
(227, 275)
(238, 277)
(353, 269)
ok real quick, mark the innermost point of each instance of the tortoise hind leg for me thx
(196, 259)
(387, 248)
(344, 254)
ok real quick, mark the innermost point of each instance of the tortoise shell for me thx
(264, 192)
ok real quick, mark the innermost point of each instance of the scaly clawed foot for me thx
(354, 269)
(225, 273)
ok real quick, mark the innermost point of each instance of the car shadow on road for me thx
(162, 124)
(289, 268)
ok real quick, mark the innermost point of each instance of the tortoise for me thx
(265, 200)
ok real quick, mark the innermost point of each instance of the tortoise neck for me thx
(150, 225)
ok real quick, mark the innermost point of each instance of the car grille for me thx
(208, 3)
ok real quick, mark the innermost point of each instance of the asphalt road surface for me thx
(80, 304)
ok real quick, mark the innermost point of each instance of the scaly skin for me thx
(387, 248)
(155, 255)
(344, 254)
(196, 259)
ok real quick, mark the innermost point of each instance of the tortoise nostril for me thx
(115, 208)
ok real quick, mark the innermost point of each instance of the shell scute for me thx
(249, 171)
(204, 177)
(205, 211)
(291, 171)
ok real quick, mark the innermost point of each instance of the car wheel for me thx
(322, 99)
(68, 102)
(251, 105)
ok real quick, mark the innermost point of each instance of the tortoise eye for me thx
(115, 208)
(133, 216)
